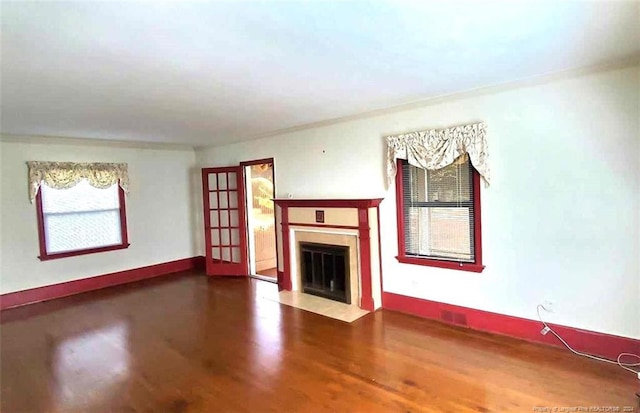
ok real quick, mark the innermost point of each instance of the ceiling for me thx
(208, 73)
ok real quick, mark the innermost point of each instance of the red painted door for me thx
(224, 221)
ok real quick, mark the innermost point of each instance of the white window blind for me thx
(81, 217)
(439, 213)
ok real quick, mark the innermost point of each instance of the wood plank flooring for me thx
(188, 343)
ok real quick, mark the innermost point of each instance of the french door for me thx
(224, 221)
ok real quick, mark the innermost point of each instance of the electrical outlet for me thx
(544, 331)
(549, 305)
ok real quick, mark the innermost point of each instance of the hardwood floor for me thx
(269, 272)
(188, 343)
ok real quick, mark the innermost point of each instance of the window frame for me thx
(45, 256)
(476, 266)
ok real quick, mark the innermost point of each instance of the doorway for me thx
(261, 220)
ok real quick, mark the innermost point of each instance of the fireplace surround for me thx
(342, 223)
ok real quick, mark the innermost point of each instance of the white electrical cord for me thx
(626, 366)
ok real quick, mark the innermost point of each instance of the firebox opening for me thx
(325, 271)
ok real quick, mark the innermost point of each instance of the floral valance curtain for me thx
(63, 175)
(436, 148)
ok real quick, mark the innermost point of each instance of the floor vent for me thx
(460, 318)
(454, 318)
(447, 316)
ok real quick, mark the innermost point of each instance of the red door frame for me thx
(225, 268)
(275, 223)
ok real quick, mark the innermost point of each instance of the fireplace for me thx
(350, 229)
(325, 271)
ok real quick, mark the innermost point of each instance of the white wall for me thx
(560, 221)
(160, 216)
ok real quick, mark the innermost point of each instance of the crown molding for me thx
(632, 61)
(62, 140)
(625, 63)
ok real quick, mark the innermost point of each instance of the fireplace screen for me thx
(325, 271)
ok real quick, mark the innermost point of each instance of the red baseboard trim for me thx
(65, 289)
(591, 342)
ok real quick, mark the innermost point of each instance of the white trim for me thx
(435, 100)
(61, 140)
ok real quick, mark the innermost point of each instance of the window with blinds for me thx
(80, 220)
(438, 212)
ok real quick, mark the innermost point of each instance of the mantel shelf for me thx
(328, 203)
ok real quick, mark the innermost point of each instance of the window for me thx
(80, 220)
(439, 216)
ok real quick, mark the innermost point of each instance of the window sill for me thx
(47, 257)
(441, 264)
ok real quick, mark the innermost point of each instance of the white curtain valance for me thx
(63, 175)
(436, 148)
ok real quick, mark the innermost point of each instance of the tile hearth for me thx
(318, 305)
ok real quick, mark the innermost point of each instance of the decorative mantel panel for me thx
(355, 218)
